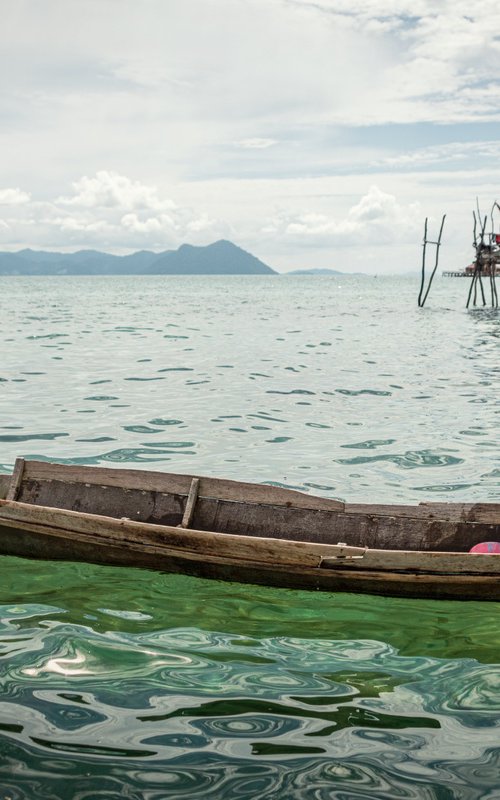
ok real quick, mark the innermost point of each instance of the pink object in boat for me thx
(486, 547)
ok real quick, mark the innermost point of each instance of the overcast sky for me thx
(313, 133)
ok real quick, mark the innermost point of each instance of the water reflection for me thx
(300, 702)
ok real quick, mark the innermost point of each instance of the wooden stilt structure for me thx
(486, 263)
(423, 294)
(487, 260)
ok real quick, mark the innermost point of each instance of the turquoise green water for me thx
(125, 683)
(119, 682)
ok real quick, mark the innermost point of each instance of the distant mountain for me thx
(313, 271)
(219, 258)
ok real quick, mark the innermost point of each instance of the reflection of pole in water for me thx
(422, 296)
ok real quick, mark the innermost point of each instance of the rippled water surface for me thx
(125, 683)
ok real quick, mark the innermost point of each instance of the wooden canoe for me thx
(247, 532)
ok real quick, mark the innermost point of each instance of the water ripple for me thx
(124, 683)
(409, 460)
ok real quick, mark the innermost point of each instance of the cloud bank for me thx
(263, 121)
(109, 210)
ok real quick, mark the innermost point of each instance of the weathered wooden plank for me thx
(190, 503)
(485, 512)
(17, 477)
(200, 542)
(412, 584)
(374, 531)
(112, 501)
(460, 512)
(430, 579)
(237, 549)
(407, 561)
(426, 511)
(5, 481)
(178, 484)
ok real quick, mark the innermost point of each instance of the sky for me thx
(312, 133)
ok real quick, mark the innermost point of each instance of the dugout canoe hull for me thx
(253, 533)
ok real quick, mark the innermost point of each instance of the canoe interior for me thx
(252, 510)
(4, 486)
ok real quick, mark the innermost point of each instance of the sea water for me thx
(126, 683)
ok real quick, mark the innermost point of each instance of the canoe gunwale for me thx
(174, 484)
(240, 549)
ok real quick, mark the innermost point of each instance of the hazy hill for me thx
(313, 271)
(14, 264)
(219, 258)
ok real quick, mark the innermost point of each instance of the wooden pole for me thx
(422, 282)
(436, 261)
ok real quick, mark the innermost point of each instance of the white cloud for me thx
(149, 225)
(455, 153)
(445, 57)
(202, 223)
(377, 219)
(111, 190)
(256, 143)
(13, 197)
(77, 225)
(94, 216)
